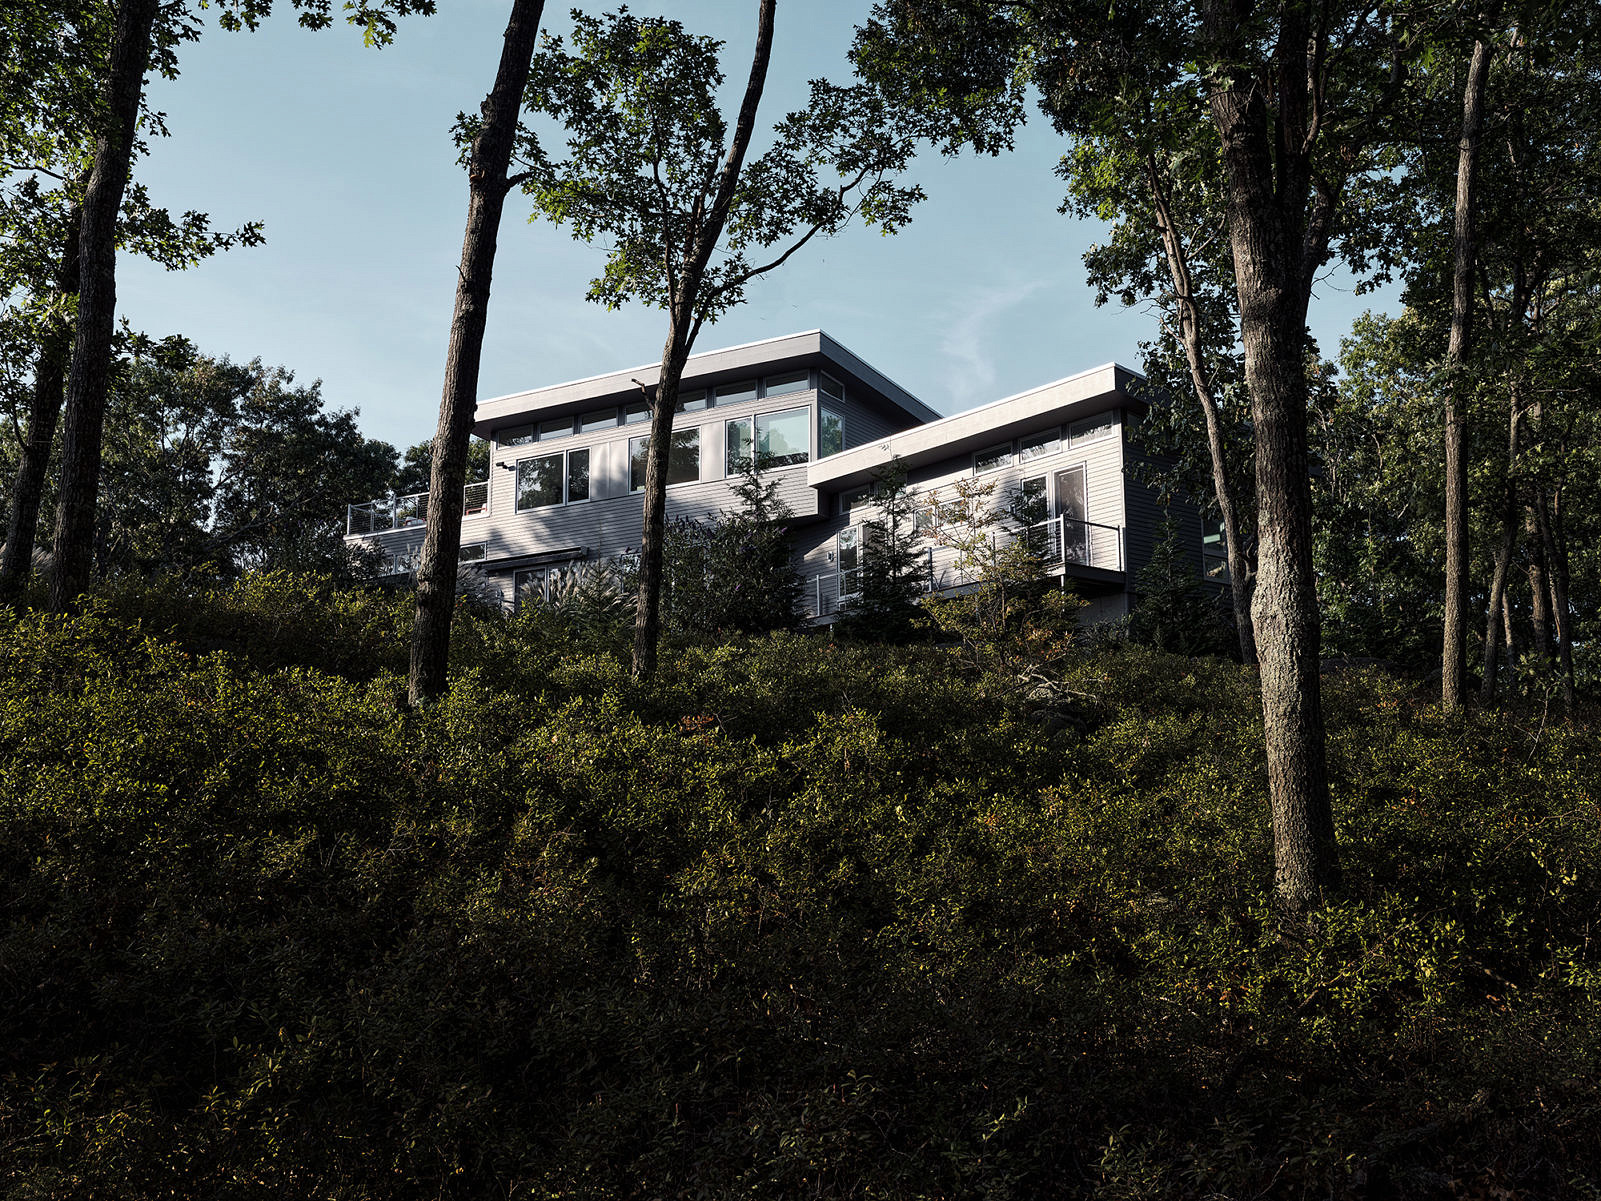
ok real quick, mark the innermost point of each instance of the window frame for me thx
(1008, 452)
(564, 478)
(824, 412)
(634, 490)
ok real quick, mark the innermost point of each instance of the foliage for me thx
(894, 571)
(747, 930)
(417, 464)
(1008, 605)
(1174, 612)
(735, 574)
(637, 102)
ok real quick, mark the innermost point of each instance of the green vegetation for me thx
(794, 918)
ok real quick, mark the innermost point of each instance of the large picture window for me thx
(779, 440)
(541, 480)
(683, 459)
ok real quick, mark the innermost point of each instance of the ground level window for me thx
(683, 459)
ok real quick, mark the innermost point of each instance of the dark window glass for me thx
(514, 435)
(790, 381)
(577, 476)
(683, 459)
(604, 419)
(830, 434)
(635, 412)
(538, 482)
(733, 393)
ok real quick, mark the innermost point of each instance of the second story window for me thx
(789, 381)
(514, 435)
(993, 459)
(549, 480)
(728, 394)
(683, 459)
(778, 440)
(539, 482)
(556, 427)
(1037, 446)
(830, 433)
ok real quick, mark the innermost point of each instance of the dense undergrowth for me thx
(800, 919)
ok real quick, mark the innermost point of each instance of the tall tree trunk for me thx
(90, 375)
(1539, 589)
(685, 326)
(1557, 576)
(1453, 664)
(1495, 617)
(1190, 335)
(653, 534)
(487, 186)
(1277, 250)
(49, 382)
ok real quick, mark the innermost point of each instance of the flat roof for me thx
(706, 368)
(1070, 398)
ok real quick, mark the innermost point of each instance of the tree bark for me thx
(1277, 249)
(1190, 335)
(49, 383)
(1539, 589)
(1494, 618)
(1557, 576)
(685, 325)
(90, 374)
(487, 186)
(1453, 663)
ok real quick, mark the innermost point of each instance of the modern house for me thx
(568, 461)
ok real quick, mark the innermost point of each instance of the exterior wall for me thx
(1100, 456)
(881, 422)
(1147, 513)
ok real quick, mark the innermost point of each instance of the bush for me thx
(798, 918)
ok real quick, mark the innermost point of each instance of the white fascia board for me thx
(713, 366)
(1063, 400)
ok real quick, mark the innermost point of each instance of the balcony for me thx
(1061, 543)
(408, 512)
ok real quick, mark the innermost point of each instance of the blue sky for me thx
(344, 152)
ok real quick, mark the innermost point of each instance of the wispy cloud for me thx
(967, 344)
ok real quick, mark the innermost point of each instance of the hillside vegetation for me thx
(798, 919)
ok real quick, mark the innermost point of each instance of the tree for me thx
(416, 469)
(655, 169)
(737, 573)
(1453, 673)
(1297, 95)
(1174, 612)
(146, 33)
(288, 466)
(893, 571)
(486, 143)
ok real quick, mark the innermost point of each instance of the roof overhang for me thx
(708, 369)
(1077, 396)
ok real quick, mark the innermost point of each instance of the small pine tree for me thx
(736, 573)
(1174, 612)
(894, 571)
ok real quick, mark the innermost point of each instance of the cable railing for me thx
(408, 512)
(1058, 541)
